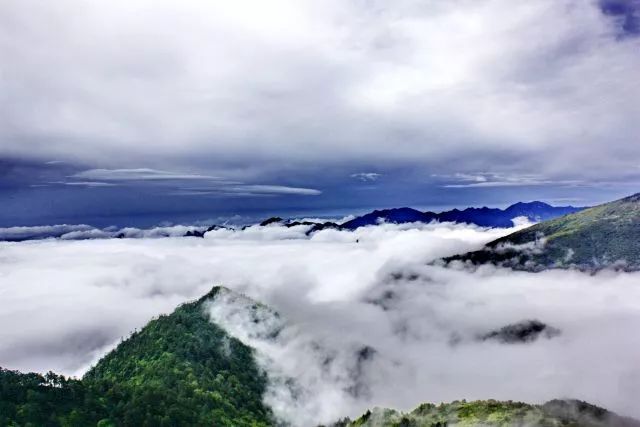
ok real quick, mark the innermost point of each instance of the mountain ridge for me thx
(603, 236)
(486, 217)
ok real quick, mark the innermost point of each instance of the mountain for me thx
(179, 370)
(272, 220)
(395, 216)
(485, 217)
(183, 367)
(184, 370)
(599, 237)
(493, 413)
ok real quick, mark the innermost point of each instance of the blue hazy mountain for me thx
(394, 216)
(485, 217)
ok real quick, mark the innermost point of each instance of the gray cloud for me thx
(545, 87)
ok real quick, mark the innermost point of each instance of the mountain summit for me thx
(179, 370)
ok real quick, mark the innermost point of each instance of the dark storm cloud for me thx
(627, 14)
(20, 173)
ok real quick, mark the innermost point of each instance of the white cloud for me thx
(279, 189)
(493, 179)
(85, 183)
(519, 183)
(84, 232)
(366, 176)
(40, 232)
(142, 174)
(199, 185)
(343, 291)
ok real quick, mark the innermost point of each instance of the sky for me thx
(150, 112)
(366, 318)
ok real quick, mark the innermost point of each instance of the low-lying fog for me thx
(368, 321)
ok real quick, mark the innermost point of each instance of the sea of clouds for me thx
(367, 319)
(88, 232)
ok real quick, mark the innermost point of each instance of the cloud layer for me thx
(246, 91)
(367, 320)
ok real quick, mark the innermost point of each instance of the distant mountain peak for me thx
(272, 220)
(532, 204)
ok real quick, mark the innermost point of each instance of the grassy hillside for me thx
(598, 237)
(493, 413)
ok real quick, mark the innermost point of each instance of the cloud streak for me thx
(196, 185)
(142, 174)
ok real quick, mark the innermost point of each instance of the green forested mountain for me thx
(183, 370)
(603, 236)
(179, 370)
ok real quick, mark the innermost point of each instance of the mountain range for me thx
(603, 236)
(484, 217)
(183, 369)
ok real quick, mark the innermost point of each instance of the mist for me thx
(366, 318)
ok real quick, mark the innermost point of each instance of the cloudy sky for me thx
(134, 113)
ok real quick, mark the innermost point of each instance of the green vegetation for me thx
(555, 413)
(599, 237)
(45, 400)
(179, 370)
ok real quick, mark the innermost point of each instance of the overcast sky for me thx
(139, 112)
